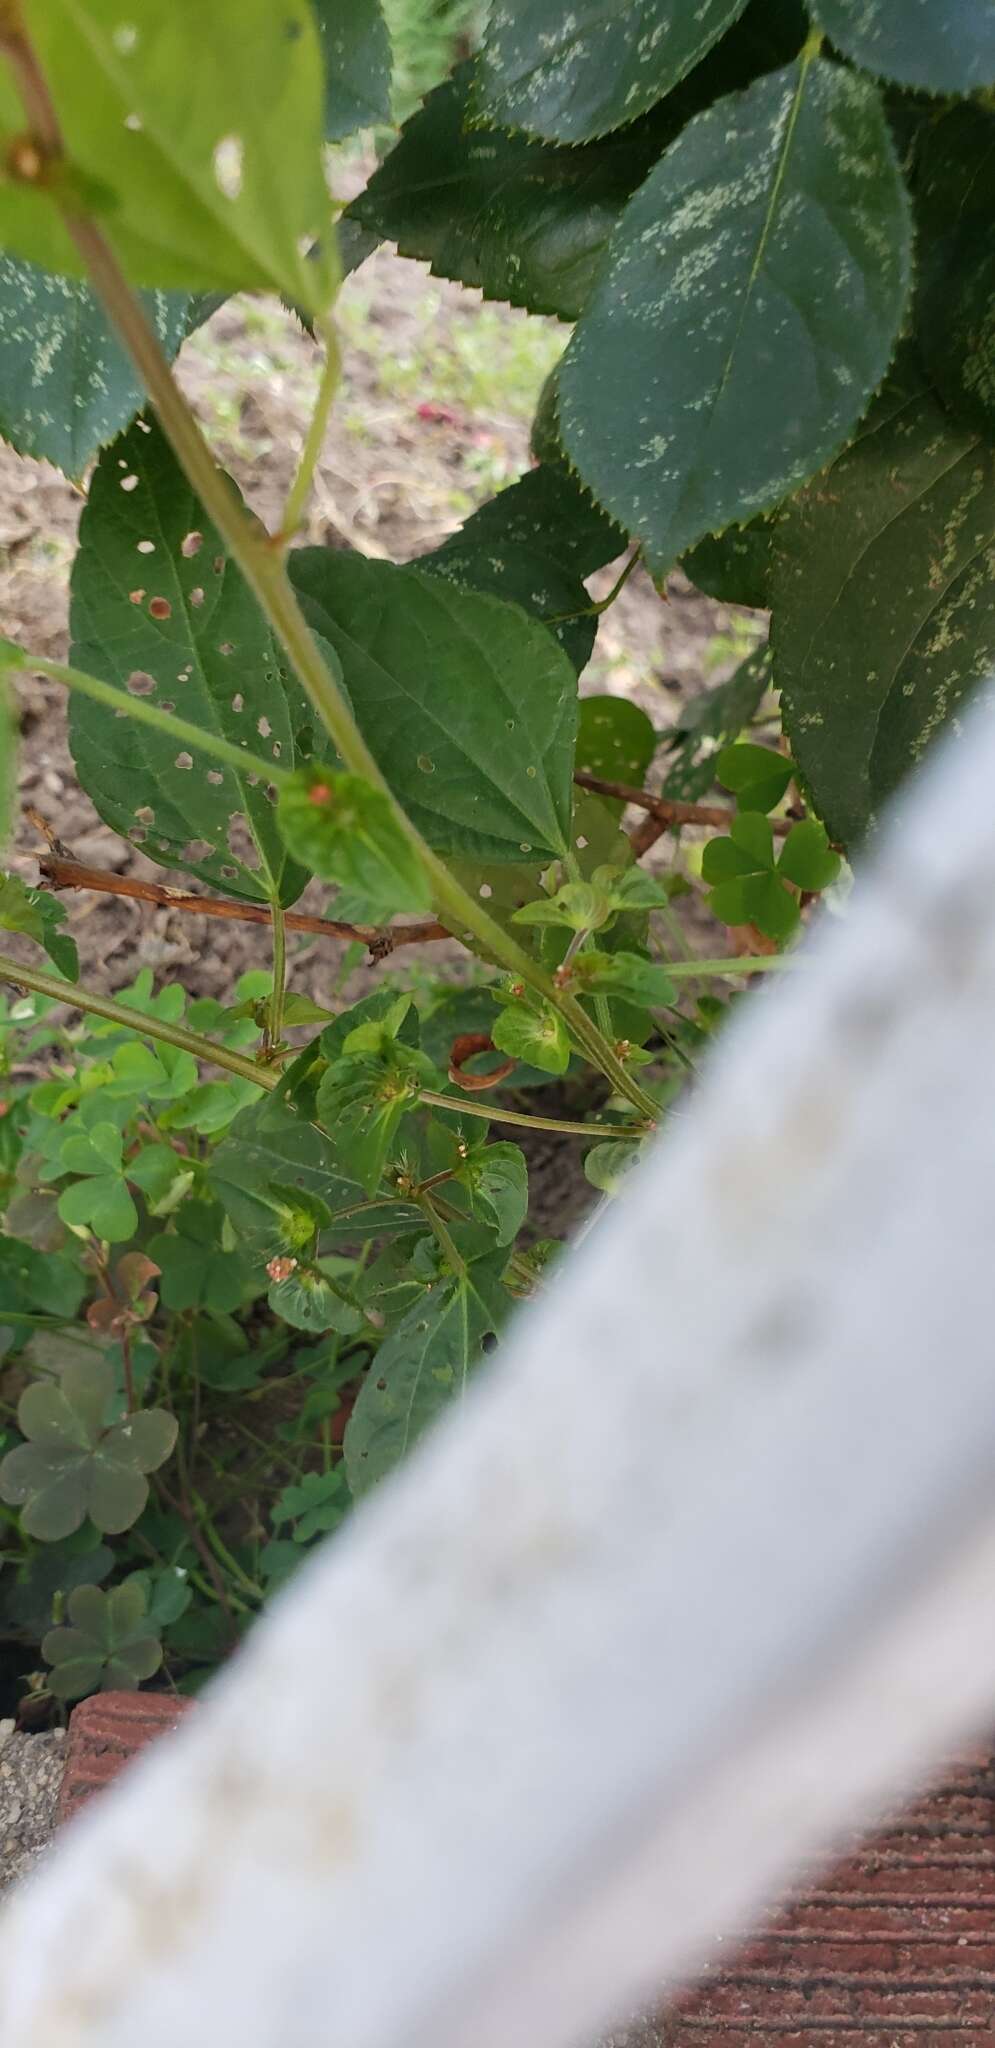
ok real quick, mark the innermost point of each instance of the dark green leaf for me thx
(112, 1642)
(756, 899)
(204, 171)
(356, 49)
(314, 1505)
(524, 575)
(76, 1561)
(101, 1204)
(574, 74)
(464, 1010)
(497, 1182)
(270, 1151)
(158, 608)
(938, 45)
(423, 1366)
(796, 179)
(711, 717)
(806, 857)
(734, 566)
(615, 740)
(346, 830)
(39, 917)
(73, 1464)
(884, 591)
(362, 1101)
(38, 1282)
(439, 679)
(195, 1272)
(955, 202)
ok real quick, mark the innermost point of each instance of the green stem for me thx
(142, 712)
(449, 1249)
(222, 1552)
(135, 1021)
(301, 487)
(274, 1024)
(594, 611)
(749, 963)
(261, 563)
(462, 1105)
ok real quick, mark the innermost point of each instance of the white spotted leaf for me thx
(884, 602)
(577, 72)
(160, 610)
(748, 308)
(356, 49)
(939, 46)
(192, 132)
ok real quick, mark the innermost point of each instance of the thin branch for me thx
(300, 489)
(60, 873)
(668, 812)
(462, 1106)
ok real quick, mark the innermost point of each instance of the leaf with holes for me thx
(884, 603)
(575, 73)
(66, 384)
(159, 609)
(347, 831)
(938, 46)
(955, 205)
(424, 1365)
(363, 1099)
(615, 741)
(39, 917)
(110, 1645)
(74, 1462)
(356, 49)
(272, 1154)
(204, 171)
(439, 679)
(776, 232)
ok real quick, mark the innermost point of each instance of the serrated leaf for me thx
(356, 49)
(955, 205)
(576, 73)
(884, 603)
(423, 1366)
(205, 171)
(112, 1641)
(794, 179)
(66, 384)
(547, 513)
(73, 1464)
(39, 917)
(528, 576)
(159, 608)
(345, 830)
(439, 680)
(615, 740)
(537, 1036)
(734, 566)
(939, 46)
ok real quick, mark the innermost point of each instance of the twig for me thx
(668, 811)
(60, 873)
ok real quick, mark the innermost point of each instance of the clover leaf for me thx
(74, 1463)
(39, 917)
(99, 1200)
(110, 1645)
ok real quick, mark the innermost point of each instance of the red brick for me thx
(894, 1948)
(105, 1732)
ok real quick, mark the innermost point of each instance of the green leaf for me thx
(272, 1151)
(37, 1282)
(66, 383)
(639, 980)
(423, 1366)
(525, 223)
(955, 204)
(167, 1594)
(940, 46)
(356, 49)
(807, 858)
(757, 899)
(314, 1505)
(708, 719)
(757, 776)
(112, 1642)
(576, 907)
(497, 1182)
(307, 1300)
(608, 1166)
(103, 1205)
(345, 830)
(439, 679)
(795, 179)
(38, 916)
(362, 1100)
(195, 136)
(60, 1568)
(537, 1036)
(160, 610)
(574, 74)
(615, 740)
(734, 566)
(73, 1465)
(195, 1272)
(884, 602)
